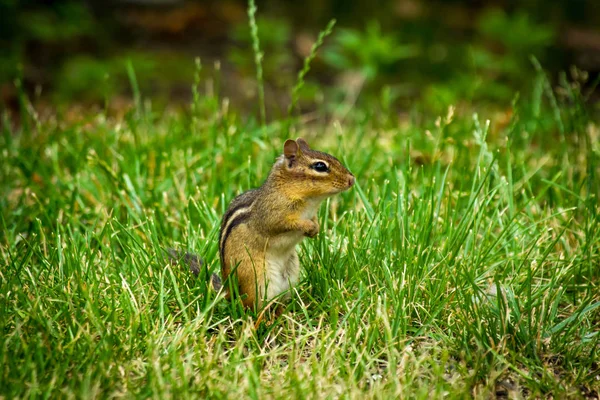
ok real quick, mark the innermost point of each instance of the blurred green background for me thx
(439, 52)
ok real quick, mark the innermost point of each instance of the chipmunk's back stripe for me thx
(239, 217)
(245, 200)
(237, 211)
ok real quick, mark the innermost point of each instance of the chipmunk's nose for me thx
(351, 180)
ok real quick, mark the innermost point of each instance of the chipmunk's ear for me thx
(302, 143)
(290, 151)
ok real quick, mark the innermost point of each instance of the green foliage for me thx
(519, 39)
(63, 22)
(518, 34)
(495, 63)
(369, 52)
(91, 79)
(88, 78)
(20, 25)
(463, 262)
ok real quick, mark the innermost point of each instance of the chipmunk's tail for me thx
(195, 263)
(216, 282)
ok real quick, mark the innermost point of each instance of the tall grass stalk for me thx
(258, 57)
(306, 66)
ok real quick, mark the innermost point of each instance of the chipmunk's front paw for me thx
(312, 228)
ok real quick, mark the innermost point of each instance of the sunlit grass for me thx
(464, 262)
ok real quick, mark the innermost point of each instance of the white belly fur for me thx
(281, 259)
(282, 266)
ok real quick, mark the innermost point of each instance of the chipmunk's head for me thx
(310, 172)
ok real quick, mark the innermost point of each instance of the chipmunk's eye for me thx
(320, 166)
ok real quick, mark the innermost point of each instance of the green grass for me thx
(465, 262)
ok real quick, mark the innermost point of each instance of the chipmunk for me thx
(261, 227)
